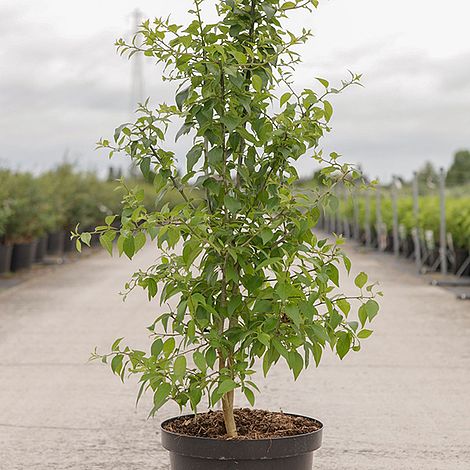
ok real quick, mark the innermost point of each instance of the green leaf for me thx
(181, 97)
(344, 306)
(116, 364)
(343, 345)
(85, 237)
(265, 339)
(232, 204)
(288, 6)
(266, 235)
(200, 361)
(115, 346)
(226, 386)
(292, 311)
(145, 167)
(363, 334)
(139, 241)
(109, 219)
(169, 346)
(215, 156)
(230, 122)
(161, 395)
(179, 367)
(193, 156)
(257, 82)
(372, 309)
(328, 110)
(362, 314)
(333, 273)
(361, 280)
(129, 247)
(285, 98)
(250, 396)
(317, 353)
(324, 82)
(157, 347)
(296, 363)
(211, 357)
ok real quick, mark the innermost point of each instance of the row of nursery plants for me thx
(38, 213)
(427, 223)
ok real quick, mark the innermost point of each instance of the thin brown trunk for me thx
(227, 406)
(229, 418)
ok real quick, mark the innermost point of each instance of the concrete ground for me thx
(402, 403)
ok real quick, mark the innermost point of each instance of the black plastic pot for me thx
(199, 453)
(461, 256)
(407, 247)
(55, 243)
(23, 255)
(5, 257)
(41, 248)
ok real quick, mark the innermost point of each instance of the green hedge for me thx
(32, 206)
(457, 215)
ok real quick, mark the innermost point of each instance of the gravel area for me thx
(402, 403)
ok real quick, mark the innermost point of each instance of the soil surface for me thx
(251, 424)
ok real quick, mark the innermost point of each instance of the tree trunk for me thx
(229, 419)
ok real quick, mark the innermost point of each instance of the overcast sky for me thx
(62, 86)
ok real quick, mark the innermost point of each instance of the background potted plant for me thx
(24, 224)
(5, 214)
(247, 282)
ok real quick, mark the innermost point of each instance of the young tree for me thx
(249, 279)
(459, 172)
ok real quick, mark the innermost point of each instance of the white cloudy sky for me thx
(62, 86)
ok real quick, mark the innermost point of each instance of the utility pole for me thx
(137, 85)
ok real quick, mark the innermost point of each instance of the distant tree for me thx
(428, 176)
(459, 172)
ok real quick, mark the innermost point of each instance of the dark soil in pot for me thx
(23, 255)
(5, 257)
(266, 441)
(41, 248)
(55, 243)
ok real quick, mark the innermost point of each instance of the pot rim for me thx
(241, 449)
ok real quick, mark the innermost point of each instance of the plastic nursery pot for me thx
(5, 257)
(200, 453)
(23, 255)
(407, 247)
(55, 243)
(41, 248)
(461, 256)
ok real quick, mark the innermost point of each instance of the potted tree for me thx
(24, 225)
(247, 282)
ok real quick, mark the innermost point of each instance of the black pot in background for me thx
(461, 255)
(69, 245)
(433, 256)
(284, 453)
(41, 248)
(407, 247)
(5, 257)
(55, 243)
(23, 255)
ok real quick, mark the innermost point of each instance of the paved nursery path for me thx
(403, 403)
